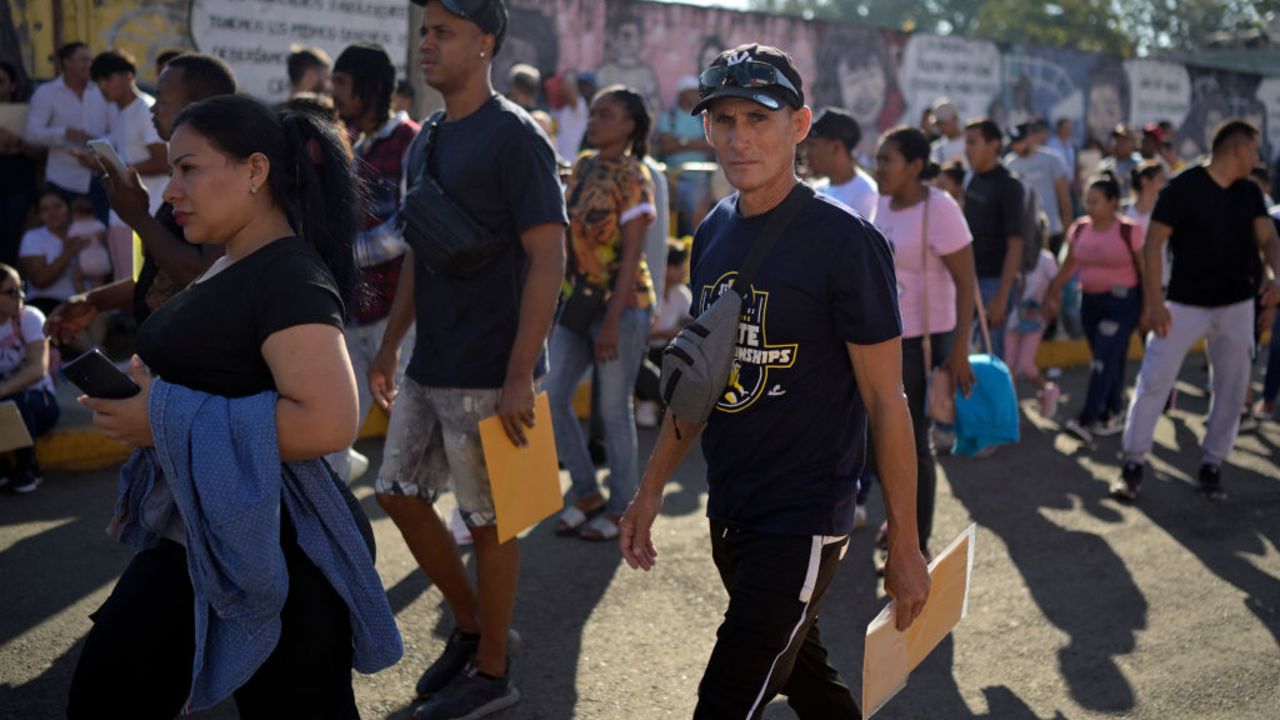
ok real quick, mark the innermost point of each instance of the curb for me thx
(81, 448)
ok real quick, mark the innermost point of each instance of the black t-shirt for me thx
(154, 287)
(993, 208)
(499, 167)
(787, 442)
(209, 336)
(1214, 247)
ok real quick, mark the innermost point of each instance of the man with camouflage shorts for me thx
(479, 352)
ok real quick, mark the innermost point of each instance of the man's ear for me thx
(801, 121)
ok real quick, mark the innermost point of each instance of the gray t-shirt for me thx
(1041, 169)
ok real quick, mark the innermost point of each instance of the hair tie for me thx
(314, 152)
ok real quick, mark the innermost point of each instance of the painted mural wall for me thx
(883, 78)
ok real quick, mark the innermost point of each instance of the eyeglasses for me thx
(749, 74)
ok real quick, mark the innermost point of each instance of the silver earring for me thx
(253, 189)
(482, 54)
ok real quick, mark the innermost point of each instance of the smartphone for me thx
(106, 155)
(98, 377)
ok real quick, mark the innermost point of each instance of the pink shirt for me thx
(1104, 261)
(948, 233)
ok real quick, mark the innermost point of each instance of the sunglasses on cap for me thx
(749, 74)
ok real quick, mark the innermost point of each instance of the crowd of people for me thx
(291, 277)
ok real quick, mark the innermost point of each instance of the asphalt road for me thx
(1080, 607)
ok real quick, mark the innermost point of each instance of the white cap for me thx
(688, 82)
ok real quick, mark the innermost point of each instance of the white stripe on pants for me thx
(1229, 332)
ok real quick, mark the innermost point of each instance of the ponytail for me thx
(312, 174)
(322, 207)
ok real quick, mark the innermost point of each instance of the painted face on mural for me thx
(1105, 111)
(626, 42)
(862, 89)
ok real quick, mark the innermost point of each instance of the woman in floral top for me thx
(610, 203)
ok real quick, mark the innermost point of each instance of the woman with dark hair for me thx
(254, 575)
(1105, 249)
(605, 316)
(24, 376)
(1146, 181)
(933, 257)
(47, 253)
(17, 173)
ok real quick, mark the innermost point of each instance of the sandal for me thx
(600, 529)
(572, 518)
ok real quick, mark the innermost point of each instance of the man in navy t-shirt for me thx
(818, 364)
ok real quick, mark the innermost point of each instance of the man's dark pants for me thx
(768, 643)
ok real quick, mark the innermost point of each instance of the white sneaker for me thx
(358, 465)
(943, 440)
(859, 517)
(1113, 425)
(1081, 433)
(647, 414)
(461, 533)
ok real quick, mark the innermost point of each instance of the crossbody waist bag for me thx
(696, 365)
(444, 237)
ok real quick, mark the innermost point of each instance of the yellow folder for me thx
(892, 655)
(525, 481)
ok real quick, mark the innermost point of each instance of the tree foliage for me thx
(1122, 27)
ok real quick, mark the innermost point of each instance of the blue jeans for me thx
(1109, 320)
(988, 287)
(40, 412)
(1271, 386)
(572, 355)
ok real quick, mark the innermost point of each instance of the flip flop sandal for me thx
(572, 519)
(601, 528)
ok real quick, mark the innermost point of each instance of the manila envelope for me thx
(892, 655)
(525, 481)
(13, 432)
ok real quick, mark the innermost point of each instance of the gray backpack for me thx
(697, 363)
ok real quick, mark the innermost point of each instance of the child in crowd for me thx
(1022, 336)
(951, 180)
(93, 263)
(673, 315)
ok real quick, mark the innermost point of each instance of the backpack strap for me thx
(777, 224)
(1126, 236)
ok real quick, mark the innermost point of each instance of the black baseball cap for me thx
(1020, 132)
(723, 78)
(490, 16)
(836, 124)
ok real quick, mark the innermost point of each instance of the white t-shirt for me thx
(674, 307)
(1037, 281)
(861, 193)
(13, 344)
(571, 125)
(131, 136)
(94, 260)
(947, 149)
(1144, 220)
(39, 242)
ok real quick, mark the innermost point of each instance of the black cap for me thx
(1020, 132)
(772, 97)
(363, 59)
(489, 15)
(836, 124)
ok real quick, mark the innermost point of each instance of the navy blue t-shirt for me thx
(787, 442)
(499, 166)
